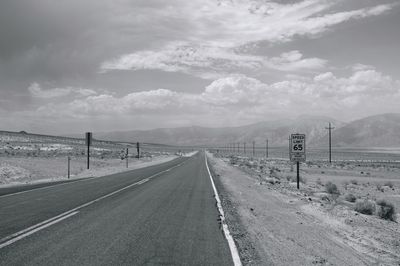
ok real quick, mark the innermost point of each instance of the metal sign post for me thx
(69, 167)
(298, 152)
(126, 157)
(88, 143)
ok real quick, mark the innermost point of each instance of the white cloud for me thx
(246, 99)
(109, 105)
(215, 33)
(210, 62)
(36, 91)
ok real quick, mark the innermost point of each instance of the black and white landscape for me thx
(191, 105)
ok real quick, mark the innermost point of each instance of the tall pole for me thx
(88, 142)
(244, 147)
(266, 148)
(126, 157)
(69, 167)
(254, 152)
(138, 150)
(88, 155)
(330, 141)
(290, 159)
(298, 174)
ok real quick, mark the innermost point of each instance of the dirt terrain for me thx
(15, 171)
(29, 158)
(280, 225)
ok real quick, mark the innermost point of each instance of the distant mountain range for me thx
(276, 131)
(374, 131)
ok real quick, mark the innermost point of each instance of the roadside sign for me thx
(298, 148)
(88, 138)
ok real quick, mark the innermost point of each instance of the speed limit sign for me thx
(298, 147)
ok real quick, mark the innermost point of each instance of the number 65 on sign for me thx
(298, 147)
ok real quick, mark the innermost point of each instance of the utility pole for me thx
(290, 159)
(254, 152)
(266, 148)
(138, 150)
(244, 147)
(330, 141)
(238, 146)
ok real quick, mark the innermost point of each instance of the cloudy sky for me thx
(72, 66)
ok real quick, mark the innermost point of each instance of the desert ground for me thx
(336, 218)
(27, 158)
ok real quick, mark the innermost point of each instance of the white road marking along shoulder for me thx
(228, 236)
(37, 227)
(21, 236)
(41, 188)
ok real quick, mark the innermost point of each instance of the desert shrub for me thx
(365, 207)
(385, 210)
(331, 188)
(354, 182)
(319, 182)
(350, 197)
(379, 187)
(389, 184)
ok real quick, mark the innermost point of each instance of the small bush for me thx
(354, 182)
(385, 210)
(379, 187)
(365, 207)
(331, 188)
(389, 184)
(350, 198)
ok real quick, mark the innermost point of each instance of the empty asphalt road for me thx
(160, 215)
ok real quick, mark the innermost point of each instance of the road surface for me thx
(159, 215)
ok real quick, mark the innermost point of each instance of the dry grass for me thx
(365, 207)
(385, 210)
(350, 198)
(331, 188)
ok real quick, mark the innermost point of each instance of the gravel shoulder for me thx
(278, 225)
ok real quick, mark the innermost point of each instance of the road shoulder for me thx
(247, 251)
(272, 228)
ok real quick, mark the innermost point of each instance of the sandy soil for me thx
(17, 170)
(275, 224)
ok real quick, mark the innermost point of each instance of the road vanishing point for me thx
(164, 214)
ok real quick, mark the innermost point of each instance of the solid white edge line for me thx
(50, 186)
(228, 236)
(9, 242)
(27, 231)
